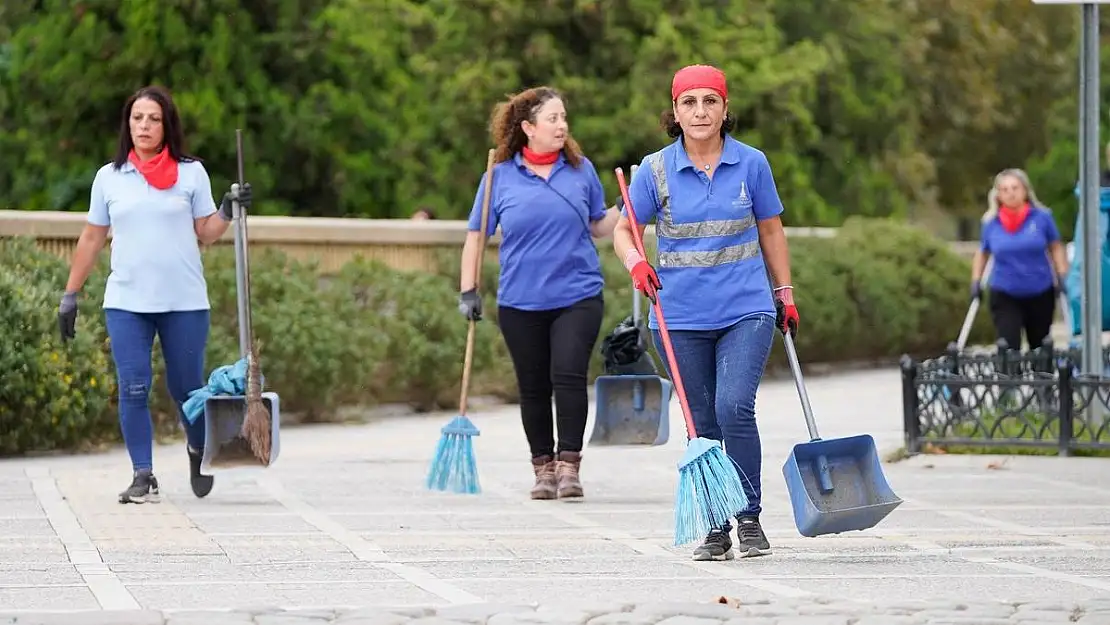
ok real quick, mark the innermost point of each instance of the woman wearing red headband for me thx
(716, 212)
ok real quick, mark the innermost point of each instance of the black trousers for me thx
(551, 352)
(1012, 314)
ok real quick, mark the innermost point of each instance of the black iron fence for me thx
(1006, 398)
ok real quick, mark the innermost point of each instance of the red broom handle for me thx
(638, 241)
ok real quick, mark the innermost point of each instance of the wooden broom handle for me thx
(468, 359)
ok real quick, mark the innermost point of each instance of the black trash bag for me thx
(624, 351)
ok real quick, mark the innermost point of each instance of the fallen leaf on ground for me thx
(731, 602)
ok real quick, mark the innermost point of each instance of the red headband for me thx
(699, 76)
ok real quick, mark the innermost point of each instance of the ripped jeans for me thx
(183, 336)
(721, 370)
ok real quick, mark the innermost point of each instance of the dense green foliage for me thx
(375, 107)
(371, 334)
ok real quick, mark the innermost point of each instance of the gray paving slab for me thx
(341, 530)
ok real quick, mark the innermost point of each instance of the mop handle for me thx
(638, 241)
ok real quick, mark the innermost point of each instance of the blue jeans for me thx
(183, 336)
(721, 371)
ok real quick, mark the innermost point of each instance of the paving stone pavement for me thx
(341, 530)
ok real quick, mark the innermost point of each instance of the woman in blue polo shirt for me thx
(158, 202)
(549, 202)
(1029, 261)
(716, 212)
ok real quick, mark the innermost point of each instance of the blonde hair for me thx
(992, 195)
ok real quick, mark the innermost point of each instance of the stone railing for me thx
(400, 243)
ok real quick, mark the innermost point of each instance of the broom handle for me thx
(471, 330)
(637, 240)
(242, 266)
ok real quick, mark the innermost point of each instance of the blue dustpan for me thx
(835, 485)
(631, 410)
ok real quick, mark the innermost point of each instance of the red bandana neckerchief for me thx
(1012, 218)
(537, 158)
(160, 171)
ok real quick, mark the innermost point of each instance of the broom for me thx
(709, 491)
(257, 428)
(453, 467)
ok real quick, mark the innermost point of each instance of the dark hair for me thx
(173, 137)
(674, 130)
(427, 210)
(507, 117)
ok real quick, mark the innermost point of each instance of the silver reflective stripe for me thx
(712, 258)
(694, 230)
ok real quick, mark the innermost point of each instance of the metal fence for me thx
(1006, 398)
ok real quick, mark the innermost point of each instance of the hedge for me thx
(371, 335)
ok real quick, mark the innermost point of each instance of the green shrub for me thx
(371, 334)
(53, 395)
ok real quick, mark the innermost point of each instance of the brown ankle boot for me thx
(544, 468)
(566, 472)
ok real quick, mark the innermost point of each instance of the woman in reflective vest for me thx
(716, 213)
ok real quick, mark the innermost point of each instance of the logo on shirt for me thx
(743, 201)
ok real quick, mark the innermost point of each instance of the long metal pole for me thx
(1089, 191)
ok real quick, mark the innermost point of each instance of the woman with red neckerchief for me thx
(1029, 261)
(548, 200)
(158, 202)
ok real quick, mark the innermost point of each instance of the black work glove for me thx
(67, 316)
(470, 305)
(976, 290)
(241, 193)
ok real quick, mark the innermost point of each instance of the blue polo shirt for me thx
(709, 260)
(156, 264)
(547, 255)
(1021, 265)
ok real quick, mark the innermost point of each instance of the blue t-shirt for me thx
(547, 255)
(156, 264)
(1021, 264)
(709, 264)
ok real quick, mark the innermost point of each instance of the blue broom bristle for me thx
(453, 467)
(709, 491)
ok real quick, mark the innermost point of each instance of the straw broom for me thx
(709, 491)
(454, 467)
(257, 429)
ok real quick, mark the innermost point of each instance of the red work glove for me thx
(786, 313)
(645, 280)
(643, 274)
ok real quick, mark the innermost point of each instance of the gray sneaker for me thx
(753, 542)
(143, 489)
(717, 546)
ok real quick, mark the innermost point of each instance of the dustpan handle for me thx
(796, 369)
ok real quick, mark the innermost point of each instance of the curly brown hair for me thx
(508, 115)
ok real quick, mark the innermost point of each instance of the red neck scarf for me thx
(1012, 218)
(160, 171)
(538, 158)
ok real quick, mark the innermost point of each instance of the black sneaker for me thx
(143, 489)
(717, 546)
(753, 542)
(202, 484)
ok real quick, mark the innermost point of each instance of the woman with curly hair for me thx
(549, 202)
